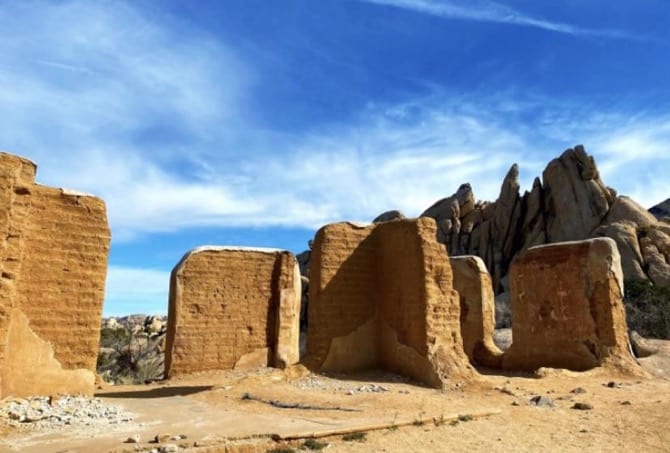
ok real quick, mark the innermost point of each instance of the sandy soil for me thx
(396, 415)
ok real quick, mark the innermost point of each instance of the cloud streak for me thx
(157, 123)
(493, 12)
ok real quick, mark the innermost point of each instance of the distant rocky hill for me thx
(661, 210)
(570, 202)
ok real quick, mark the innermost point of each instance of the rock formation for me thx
(53, 262)
(567, 308)
(233, 307)
(570, 203)
(473, 283)
(382, 296)
(661, 210)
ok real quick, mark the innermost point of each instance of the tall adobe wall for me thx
(567, 308)
(53, 257)
(475, 290)
(233, 307)
(382, 296)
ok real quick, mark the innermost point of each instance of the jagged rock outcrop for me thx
(570, 202)
(53, 263)
(661, 210)
(388, 216)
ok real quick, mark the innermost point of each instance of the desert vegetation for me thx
(647, 308)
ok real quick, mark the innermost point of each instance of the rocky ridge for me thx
(569, 203)
(661, 210)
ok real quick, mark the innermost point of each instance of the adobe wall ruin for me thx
(53, 261)
(475, 289)
(233, 307)
(382, 296)
(567, 308)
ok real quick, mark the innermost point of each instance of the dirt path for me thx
(210, 408)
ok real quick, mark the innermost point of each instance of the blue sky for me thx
(253, 122)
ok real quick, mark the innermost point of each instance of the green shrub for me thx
(128, 358)
(358, 436)
(647, 308)
(313, 444)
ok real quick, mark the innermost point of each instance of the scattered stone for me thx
(168, 448)
(133, 439)
(161, 438)
(625, 403)
(541, 401)
(582, 406)
(612, 385)
(506, 391)
(578, 390)
(43, 412)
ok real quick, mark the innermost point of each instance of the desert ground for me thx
(233, 411)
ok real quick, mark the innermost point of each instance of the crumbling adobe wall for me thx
(473, 284)
(567, 308)
(233, 307)
(381, 296)
(342, 285)
(62, 281)
(53, 258)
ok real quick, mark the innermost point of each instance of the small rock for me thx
(133, 439)
(168, 448)
(578, 390)
(625, 403)
(161, 438)
(582, 406)
(541, 401)
(612, 385)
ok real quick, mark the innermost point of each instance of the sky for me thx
(255, 122)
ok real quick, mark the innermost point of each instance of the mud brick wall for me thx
(567, 309)
(343, 284)
(232, 307)
(17, 175)
(381, 296)
(64, 266)
(53, 257)
(473, 284)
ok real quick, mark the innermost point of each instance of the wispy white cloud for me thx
(146, 117)
(489, 11)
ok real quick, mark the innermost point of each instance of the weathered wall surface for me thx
(382, 296)
(567, 308)
(342, 284)
(233, 307)
(473, 284)
(64, 266)
(53, 257)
